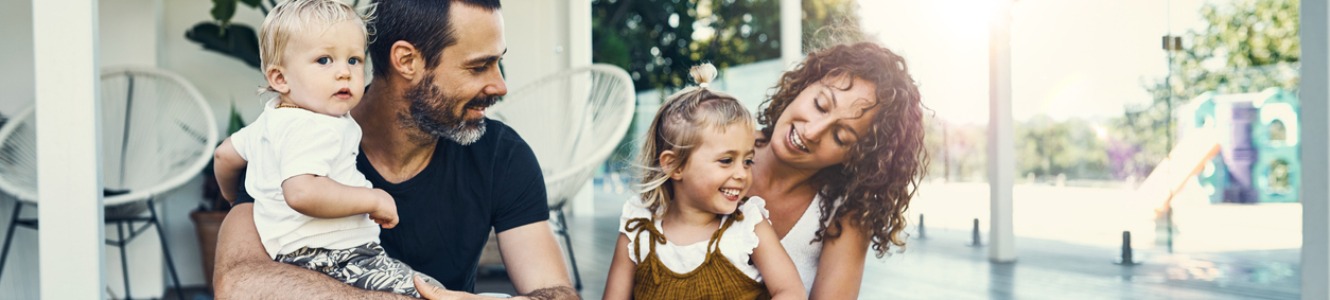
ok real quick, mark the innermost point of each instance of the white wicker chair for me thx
(157, 134)
(573, 120)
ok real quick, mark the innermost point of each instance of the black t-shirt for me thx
(446, 212)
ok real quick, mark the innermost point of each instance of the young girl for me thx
(691, 234)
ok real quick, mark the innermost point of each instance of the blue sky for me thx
(1082, 59)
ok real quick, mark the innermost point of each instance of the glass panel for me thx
(1233, 87)
(946, 48)
(1082, 149)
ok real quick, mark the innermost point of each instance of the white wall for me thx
(16, 56)
(541, 42)
(537, 33)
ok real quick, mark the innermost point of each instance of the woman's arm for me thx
(840, 270)
(226, 167)
(619, 285)
(244, 271)
(322, 197)
(777, 269)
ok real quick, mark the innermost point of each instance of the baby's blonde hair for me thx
(678, 126)
(297, 17)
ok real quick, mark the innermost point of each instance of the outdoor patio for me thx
(1038, 238)
(945, 266)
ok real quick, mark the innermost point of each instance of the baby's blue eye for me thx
(354, 61)
(324, 60)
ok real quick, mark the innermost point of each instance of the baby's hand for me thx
(386, 213)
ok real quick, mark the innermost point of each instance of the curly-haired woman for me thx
(839, 156)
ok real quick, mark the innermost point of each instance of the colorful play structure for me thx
(1240, 148)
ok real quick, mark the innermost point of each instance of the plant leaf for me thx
(236, 122)
(252, 3)
(223, 10)
(238, 41)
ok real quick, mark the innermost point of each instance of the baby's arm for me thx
(782, 279)
(322, 197)
(227, 166)
(619, 285)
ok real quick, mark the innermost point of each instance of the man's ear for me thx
(669, 163)
(277, 80)
(406, 59)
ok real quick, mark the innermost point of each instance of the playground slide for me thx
(1186, 160)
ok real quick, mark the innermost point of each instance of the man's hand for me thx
(434, 291)
(386, 212)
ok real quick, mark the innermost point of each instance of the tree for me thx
(656, 41)
(1246, 46)
(1049, 148)
(831, 22)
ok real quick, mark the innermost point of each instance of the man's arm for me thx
(244, 271)
(537, 273)
(535, 262)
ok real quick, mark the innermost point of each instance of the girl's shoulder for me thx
(742, 235)
(634, 208)
(753, 207)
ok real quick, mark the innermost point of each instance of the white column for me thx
(1001, 139)
(791, 32)
(579, 54)
(1315, 119)
(579, 33)
(68, 147)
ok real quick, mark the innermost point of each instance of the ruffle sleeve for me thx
(634, 208)
(745, 231)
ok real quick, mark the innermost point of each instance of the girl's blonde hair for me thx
(677, 126)
(299, 17)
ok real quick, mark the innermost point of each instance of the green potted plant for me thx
(213, 208)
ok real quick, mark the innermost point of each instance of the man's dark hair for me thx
(423, 23)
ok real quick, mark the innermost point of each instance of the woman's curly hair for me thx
(882, 171)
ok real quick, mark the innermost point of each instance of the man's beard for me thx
(428, 116)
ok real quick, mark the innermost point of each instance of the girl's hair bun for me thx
(703, 74)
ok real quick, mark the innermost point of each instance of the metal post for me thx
(975, 241)
(1126, 259)
(922, 233)
(9, 237)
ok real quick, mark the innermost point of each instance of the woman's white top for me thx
(736, 244)
(288, 142)
(797, 243)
